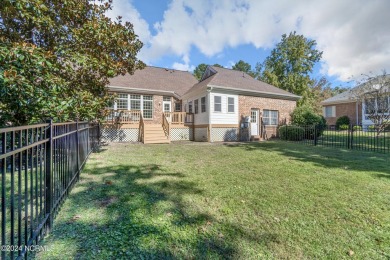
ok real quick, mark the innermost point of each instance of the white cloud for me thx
(185, 65)
(129, 13)
(353, 34)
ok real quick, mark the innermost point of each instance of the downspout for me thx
(209, 89)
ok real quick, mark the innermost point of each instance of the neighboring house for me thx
(343, 104)
(161, 105)
(347, 104)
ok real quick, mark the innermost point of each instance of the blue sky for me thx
(180, 34)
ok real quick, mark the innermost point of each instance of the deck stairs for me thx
(154, 134)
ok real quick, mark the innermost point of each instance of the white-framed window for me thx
(135, 102)
(230, 104)
(190, 107)
(122, 101)
(166, 98)
(270, 117)
(330, 111)
(217, 104)
(147, 107)
(196, 106)
(177, 107)
(203, 104)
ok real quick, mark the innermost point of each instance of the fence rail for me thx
(349, 136)
(39, 164)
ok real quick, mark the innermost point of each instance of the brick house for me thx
(342, 104)
(157, 105)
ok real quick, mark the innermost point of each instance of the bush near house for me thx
(305, 117)
(343, 127)
(291, 133)
(341, 121)
(357, 128)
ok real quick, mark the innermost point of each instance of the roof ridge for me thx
(157, 67)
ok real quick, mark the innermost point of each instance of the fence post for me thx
(48, 175)
(315, 135)
(78, 148)
(351, 141)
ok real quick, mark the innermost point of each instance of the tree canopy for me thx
(201, 68)
(56, 58)
(290, 63)
(244, 67)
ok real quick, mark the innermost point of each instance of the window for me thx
(203, 104)
(135, 102)
(270, 117)
(147, 107)
(122, 101)
(383, 105)
(330, 111)
(190, 107)
(196, 106)
(217, 104)
(369, 106)
(230, 105)
(177, 107)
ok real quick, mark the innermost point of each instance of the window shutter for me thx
(333, 111)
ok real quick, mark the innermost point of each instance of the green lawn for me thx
(200, 200)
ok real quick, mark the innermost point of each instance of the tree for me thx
(201, 68)
(290, 63)
(320, 90)
(244, 67)
(374, 93)
(56, 58)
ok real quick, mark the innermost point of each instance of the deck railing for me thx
(179, 118)
(141, 129)
(124, 116)
(165, 125)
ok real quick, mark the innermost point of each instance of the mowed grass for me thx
(198, 200)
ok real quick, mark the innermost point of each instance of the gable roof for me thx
(155, 80)
(239, 81)
(344, 97)
(349, 96)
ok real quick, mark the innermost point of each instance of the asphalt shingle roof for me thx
(239, 80)
(154, 78)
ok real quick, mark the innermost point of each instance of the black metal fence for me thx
(348, 136)
(39, 164)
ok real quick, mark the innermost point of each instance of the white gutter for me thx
(260, 93)
(142, 91)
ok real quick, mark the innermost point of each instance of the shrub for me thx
(291, 133)
(371, 128)
(357, 128)
(343, 127)
(342, 120)
(305, 117)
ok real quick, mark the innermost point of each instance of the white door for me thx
(254, 122)
(167, 108)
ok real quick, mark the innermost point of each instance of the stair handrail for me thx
(141, 128)
(165, 125)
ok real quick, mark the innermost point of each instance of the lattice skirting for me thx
(181, 134)
(120, 135)
(224, 134)
(201, 134)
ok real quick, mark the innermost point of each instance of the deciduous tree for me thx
(56, 58)
(244, 67)
(290, 63)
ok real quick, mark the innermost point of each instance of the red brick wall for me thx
(285, 107)
(346, 109)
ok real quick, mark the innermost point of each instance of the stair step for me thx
(156, 141)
